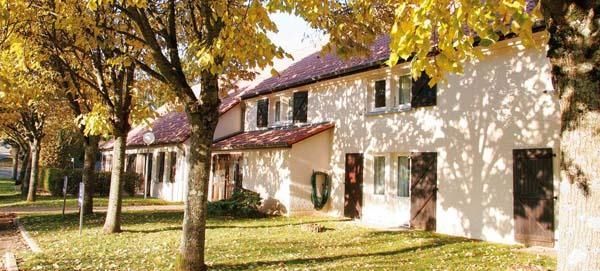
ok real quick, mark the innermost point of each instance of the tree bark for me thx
(23, 170)
(574, 51)
(112, 223)
(24, 173)
(203, 121)
(35, 159)
(15, 162)
(89, 174)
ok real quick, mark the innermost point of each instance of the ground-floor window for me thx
(379, 174)
(172, 166)
(403, 176)
(161, 166)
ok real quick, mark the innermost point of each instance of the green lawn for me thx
(150, 242)
(9, 197)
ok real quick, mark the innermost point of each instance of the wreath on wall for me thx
(319, 201)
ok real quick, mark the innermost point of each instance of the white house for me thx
(476, 155)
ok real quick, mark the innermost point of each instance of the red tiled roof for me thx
(272, 138)
(170, 128)
(316, 67)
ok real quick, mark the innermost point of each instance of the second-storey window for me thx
(277, 111)
(380, 94)
(404, 90)
(262, 113)
(300, 106)
(379, 175)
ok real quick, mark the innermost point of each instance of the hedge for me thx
(52, 181)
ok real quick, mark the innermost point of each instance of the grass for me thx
(9, 197)
(150, 241)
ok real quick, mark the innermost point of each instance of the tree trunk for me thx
(35, 159)
(15, 162)
(88, 177)
(112, 224)
(203, 122)
(574, 52)
(23, 170)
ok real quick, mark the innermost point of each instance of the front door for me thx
(533, 197)
(353, 185)
(423, 190)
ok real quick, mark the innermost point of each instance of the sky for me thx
(296, 37)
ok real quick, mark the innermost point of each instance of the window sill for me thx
(387, 111)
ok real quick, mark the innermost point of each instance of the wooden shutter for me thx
(161, 166)
(422, 93)
(300, 106)
(262, 113)
(423, 190)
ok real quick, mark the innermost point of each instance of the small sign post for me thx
(64, 190)
(80, 201)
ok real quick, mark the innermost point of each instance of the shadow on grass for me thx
(325, 259)
(278, 225)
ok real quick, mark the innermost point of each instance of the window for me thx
(130, 163)
(379, 175)
(172, 166)
(278, 111)
(403, 175)
(380, 94)
(161, 166)
(108, 162)
(404, 90)
(262, 113)
(300, 106)
(290, 109)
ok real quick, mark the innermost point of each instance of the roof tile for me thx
(271, 138)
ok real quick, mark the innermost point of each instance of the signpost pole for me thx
(65, 183)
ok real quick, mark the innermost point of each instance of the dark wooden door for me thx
(353, 185)
(533, 197)
(423, 190)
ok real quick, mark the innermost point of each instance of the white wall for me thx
(268, 172)
(497, 105)
(230, 122)
(311, 154)
(170, 191)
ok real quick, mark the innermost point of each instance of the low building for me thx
(162, 164)
(476, 155)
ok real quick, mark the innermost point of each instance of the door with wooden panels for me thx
(533, 196)
(423, 190)
(353, 185)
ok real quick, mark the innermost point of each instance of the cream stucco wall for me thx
(268, 173)
(497, 105)
(309, 155)
(230, 122)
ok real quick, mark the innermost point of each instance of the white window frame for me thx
(277, 109)
(373, 94)
(397, 157)
(375, 174)
(398, 94)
